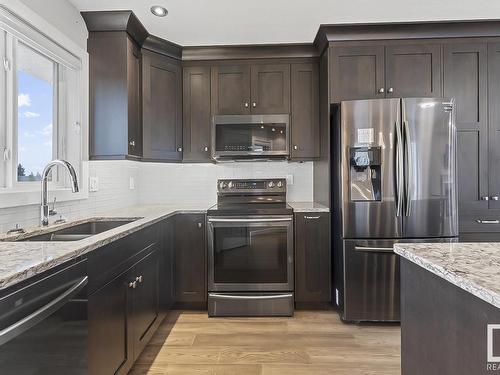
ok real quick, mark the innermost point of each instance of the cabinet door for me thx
(134, 99)
(312, 258)
(305, 111)
(465, 79)
(357, 72)
(494, 123)
(162, 107)
(196, 119)
(110, 329)
(270, 88)
(190, 263)
(413, 71)
(230, 89)
(146, 300)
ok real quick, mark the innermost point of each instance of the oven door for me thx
(250, 136)
(252, 253)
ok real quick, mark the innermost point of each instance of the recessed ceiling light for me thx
(159, 11)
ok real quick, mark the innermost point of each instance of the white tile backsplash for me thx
(161, 183)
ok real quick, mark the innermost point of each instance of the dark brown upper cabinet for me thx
(230, 89)
(413, 70)
(196, 113)
(114, 95)
(465, 79)
(357, 72)
(250, 89)
(312, 258)
(305, 142)
(365, 71)
(494, 124)
(162, 107)
(270, 89)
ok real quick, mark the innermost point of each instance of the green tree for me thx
(20, 170)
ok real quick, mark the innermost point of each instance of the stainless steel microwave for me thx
(250, 136)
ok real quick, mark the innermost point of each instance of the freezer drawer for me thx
(371, 278)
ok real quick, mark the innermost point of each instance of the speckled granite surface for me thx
(474, 267)
(308, 207)
(21, 260)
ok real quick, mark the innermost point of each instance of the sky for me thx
(35, 119)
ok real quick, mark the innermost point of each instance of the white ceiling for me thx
(210, 22)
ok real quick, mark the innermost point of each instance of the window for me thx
(41, 97)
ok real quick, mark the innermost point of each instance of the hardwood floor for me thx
(312, 342)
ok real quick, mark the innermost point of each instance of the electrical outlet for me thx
(289, 179)
(93, 184)
(132, 183)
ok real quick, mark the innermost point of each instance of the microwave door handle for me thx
(268, 220)
(42, 313)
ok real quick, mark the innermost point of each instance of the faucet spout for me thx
(44, 209)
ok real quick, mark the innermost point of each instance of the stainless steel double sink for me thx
(78, 231)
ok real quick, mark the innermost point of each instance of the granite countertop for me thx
(474, 267)
(308, 207)
(21, 260)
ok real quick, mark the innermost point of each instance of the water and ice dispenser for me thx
(365, 174)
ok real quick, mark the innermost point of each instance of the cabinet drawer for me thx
(480, 222)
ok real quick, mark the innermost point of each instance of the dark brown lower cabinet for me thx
(312, 259)
(190, 280)
(123, 316)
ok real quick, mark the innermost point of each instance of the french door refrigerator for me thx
(393, 180)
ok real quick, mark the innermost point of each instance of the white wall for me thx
(197, 183)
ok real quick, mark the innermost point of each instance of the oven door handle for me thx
(42, 313)
(228, 296)
(268, 220)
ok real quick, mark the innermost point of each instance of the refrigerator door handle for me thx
(399, 170)
(409, 163)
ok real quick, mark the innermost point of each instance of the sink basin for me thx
(79, 231)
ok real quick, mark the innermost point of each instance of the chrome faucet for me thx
(44, 209)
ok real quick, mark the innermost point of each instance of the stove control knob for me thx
(280, 184)
(230, 185)
(222, 185)
(270, 184)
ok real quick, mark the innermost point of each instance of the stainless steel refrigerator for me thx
(393, 180)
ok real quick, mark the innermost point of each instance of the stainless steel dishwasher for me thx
(43, 324)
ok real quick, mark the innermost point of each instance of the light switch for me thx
(289, 179)
(94, 184)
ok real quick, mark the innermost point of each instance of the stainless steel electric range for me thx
(250, 249)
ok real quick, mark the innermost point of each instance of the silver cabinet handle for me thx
(254, 104)
(132, 285)
(312, 217)
(381, 90)
(488, 221)
(494, 198)
(42, 313)
(369, 249)
(205, 148)
(246, 105)
(390, 90)
(139, 279)
(200, 225)
(179, 149)
(132, 143)
(485, 198)
(295, 147)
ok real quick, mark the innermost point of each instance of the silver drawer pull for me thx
(369, 249)
(248, 220)
(312, 217)
(228, 296)
(488, 221)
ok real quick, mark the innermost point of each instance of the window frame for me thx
(70, 75)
